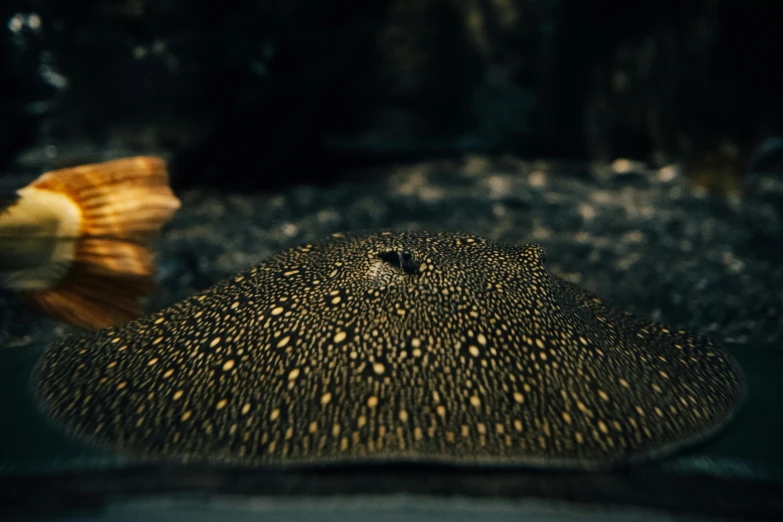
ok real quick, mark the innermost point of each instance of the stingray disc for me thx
(394, 346)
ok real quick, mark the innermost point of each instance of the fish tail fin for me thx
(123, 205)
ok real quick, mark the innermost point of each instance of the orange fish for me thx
(75, 242)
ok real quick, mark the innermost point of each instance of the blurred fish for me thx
(75, 242)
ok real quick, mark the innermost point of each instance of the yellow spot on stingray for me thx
(481, 339)
(168, 373)
(603, 395)
(336, 300)
(567, 417)
(277, 310)
(112, 364)
(378, 368)
(122, 385)
(221, 404)
(539, 344)
(228, 365)
(441, 410)
(372, 402)
(245, 408)
(326, 398)
(602, 426)
(624, 383)
(339, 337)
(519, 397)
(294, 374)
(186, 415)
(214, 342)
(178, 395)
(474, 351)
(152, 361)
(157, 341)
(275, 414)
(475, 401)
(403, 415)
(283, 341)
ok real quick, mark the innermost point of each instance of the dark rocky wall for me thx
(278, 90)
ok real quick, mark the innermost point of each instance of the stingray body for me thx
(392, 346)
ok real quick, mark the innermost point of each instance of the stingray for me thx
(392, 347)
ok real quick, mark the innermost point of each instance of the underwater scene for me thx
(446, 260)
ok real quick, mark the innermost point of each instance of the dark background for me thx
(257, 93)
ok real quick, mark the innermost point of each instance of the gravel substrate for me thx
(643, 239)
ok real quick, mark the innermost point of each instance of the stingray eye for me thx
(532, 253)
(401, 260)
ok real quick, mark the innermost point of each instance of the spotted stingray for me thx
(392, 346)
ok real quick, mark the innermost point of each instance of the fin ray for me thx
(91, 300)
(124, 204)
